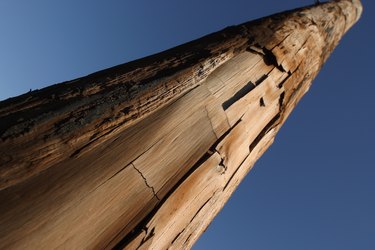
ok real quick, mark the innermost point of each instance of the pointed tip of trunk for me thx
(352, 10)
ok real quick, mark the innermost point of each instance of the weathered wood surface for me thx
(145, 154)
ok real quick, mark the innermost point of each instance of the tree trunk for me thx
(145, 154)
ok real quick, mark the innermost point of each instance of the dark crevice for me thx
(261, 102)
(187, 239)
(178, 235)
(265, 130)
(261, 79)
(270, 59)
(148, 236)
(222, 166)
(281, 100)
(256, 49)
(245, 90)
(238, 95)
(281, 84)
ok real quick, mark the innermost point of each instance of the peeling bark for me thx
(145, 154)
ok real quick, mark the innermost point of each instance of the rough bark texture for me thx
(145, 154)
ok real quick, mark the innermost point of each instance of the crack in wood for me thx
(145, 180)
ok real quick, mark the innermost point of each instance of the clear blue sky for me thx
(314, 188)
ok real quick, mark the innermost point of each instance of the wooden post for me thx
(145, 154)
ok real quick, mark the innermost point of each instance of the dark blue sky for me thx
(313, 189)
